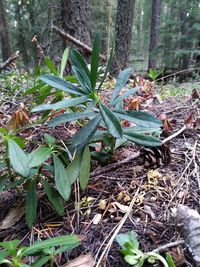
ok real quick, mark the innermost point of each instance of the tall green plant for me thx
(84, 102)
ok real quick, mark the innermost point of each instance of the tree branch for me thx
(76, 42)
(11, 59)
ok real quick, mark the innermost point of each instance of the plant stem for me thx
(158, 257)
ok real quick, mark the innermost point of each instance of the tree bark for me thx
(4, 34)
(123, 32)
(76, 19)
(156, 6)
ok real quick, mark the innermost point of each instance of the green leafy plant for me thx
(43, 251)
(42, 90)
(86, 104)
(134, 256)
(26, 173)
(153, 74)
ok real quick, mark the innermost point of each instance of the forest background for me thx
(175, 44)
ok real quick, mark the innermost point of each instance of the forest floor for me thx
(103, 209)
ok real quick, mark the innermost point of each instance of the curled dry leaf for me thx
(121, 207)
(13, 216)
(153, 175)
(102, 204)
(19, 118)
(82, 261)
(166, 124)
(189, 121)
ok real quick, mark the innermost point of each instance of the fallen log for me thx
(10, 60)
(76, 42)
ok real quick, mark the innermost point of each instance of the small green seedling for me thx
(134, 256)
(43, 251)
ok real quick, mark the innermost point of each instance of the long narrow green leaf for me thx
(60, 84)
(79, 62)
(95, 61)
(62, 180)
(141, 118)
(85, 168)
(82, 138)
(142, 139)
(31, 203)
(40, 262)
(141, 129)
(66, 241)
(39, 156)
(64, 61)
(49, 63)
(70, 117)
(111, 121)
(73, 168)
(83, 80)
(121, 82)
(18, 158)
(36, 88)
(67, 103)
(107, 67)
(54, 198)
(125, 95)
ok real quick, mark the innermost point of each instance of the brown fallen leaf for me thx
(82, 261)
(189, 121)
(19, 118)
(166, 124)
(13, 216)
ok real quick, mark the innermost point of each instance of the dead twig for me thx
(117, 229)
(114, 165)
(169, 245)
(174, 135)
(76, 42)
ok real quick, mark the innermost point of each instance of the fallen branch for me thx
(169, 245)
(114, 165)
(73, 40)
(11, 59)
(174, 135)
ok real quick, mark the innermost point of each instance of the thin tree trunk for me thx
(156, 5)
(123, 31)
(4, 34)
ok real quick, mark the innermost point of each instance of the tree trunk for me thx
(123, 31)
(21, 35)
(156, 4)
(4, 35)
(76, 19)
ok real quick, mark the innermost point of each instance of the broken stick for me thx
(73, 40)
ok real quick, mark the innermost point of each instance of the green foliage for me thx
(87, 100)
(134, 256)
(29, 169)
(46, 250)
(83, 104)
(154, 74)
(170, 260)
